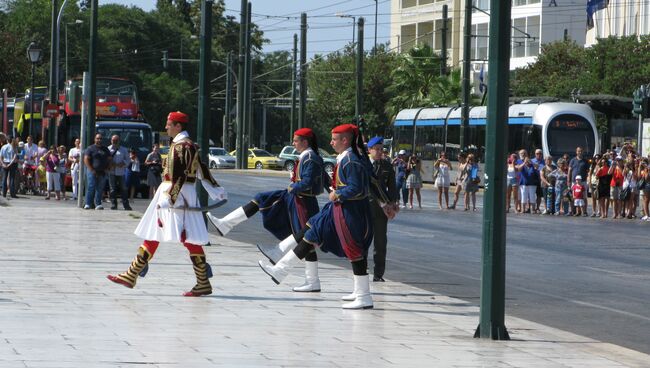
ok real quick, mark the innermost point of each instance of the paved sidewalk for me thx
(58, 310)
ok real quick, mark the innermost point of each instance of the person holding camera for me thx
(52, 175)
(443, 179)
(643, 175)
(604, 180)
(616, 191)
(528, 180)
(153, 162)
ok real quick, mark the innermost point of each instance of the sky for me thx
(326, 32)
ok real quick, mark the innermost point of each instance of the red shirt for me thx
(578, 191)
(617, 178)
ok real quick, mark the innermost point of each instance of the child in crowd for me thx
(561, 187)
(578, 192)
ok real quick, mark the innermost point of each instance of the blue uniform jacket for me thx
(309, 178)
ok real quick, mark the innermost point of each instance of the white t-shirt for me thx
(74, 153)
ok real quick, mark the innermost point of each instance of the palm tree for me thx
(447, 89)
(413, 79)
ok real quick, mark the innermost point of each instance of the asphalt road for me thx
(584, 275)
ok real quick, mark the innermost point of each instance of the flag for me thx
(592, 7)
(481, 79)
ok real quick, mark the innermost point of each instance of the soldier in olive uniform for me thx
(381, 208)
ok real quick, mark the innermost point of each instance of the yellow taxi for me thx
(261, 159)
(164, 151)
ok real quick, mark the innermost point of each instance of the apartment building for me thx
(534, 22)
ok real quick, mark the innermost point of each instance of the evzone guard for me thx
(344, 226)
(174, 214)
(285, 212)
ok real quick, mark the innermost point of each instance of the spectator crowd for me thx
(111, 172)
(612, 184)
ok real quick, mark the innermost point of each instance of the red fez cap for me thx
(304, 132)
(346, 128)
(178, 117)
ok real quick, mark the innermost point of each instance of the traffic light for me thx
(637, 101)
(164, 59)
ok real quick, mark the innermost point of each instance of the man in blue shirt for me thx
(579, 166)
(9, 162)
(528, 180)
(538, 163)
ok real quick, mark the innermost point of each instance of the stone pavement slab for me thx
(58, 310)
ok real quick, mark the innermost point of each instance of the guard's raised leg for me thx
(138, 267)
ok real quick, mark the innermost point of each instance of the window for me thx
(481, 4)
(425, 33)
(409, 3)
(424, 2)
(532, 43)
(407, 37)
(522, 45)
(525, 2)
(480, 41)
(518, 38)
(438, 38)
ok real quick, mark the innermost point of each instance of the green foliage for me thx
(161, 93)
(332, 90)
(614, 65)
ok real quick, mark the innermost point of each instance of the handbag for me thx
(641, 184)
(436, 172)
(625, 194)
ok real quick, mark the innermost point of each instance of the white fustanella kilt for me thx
(175, 220)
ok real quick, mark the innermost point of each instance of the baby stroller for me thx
(27, 180)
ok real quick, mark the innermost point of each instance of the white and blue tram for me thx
(555, 127)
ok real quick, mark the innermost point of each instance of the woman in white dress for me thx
(442, 167)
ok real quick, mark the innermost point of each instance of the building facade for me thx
(534, 22)
(620, 18)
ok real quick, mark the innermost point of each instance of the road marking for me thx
(525, 289)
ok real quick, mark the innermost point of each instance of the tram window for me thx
(453, 142)
(476, 141)
(528, 137)
(403, 138)
(429, 141)
(567, 132)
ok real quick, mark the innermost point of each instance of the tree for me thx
(332, 90)
(559, 69)
(414, 79)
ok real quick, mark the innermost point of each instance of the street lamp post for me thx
(77, 21)
(354, 23)
(33, 55)
(376, 8)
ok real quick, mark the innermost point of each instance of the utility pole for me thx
(227, 117)
(203, 124)
(293, 88)
(467, 58)
(241, 76)
(92, 63)
(248, 106)
(443, 43)
(54, 59)
(376, 9)
(303, 71)
(493, 257)
(358, 107)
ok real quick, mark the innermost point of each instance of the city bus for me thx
(28, 120)
(555, 127)
(115, 99)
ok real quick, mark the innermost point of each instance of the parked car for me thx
(164, 152)
(290, 155)
(220, 159)
(261, 159)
